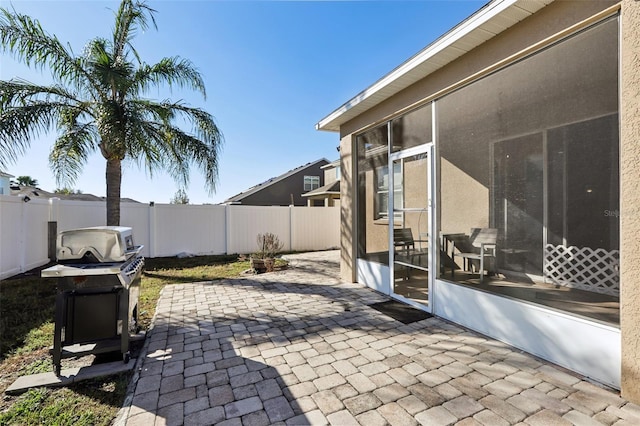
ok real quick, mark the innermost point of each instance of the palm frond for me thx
(24, 39)
(76, 141)
(20, 125)
(203, 124)
(141, 135)
(18, 92)
(204, 155)
(131, 16)
(172, 71)
(166, 146)
(113, 73)
(70, 152)
(29, 110)
(145, 134)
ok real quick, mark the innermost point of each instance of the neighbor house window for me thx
(311, 183)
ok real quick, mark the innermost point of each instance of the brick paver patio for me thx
(299, 347)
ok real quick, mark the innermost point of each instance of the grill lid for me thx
(99, 244)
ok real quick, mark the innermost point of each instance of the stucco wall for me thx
(464, 199)
(347, 210)
(630, 200)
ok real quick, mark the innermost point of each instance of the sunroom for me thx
(485, 180)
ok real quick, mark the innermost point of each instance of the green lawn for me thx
(26, 333)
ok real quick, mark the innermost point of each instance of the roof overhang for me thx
(332, 188)
(492, 19)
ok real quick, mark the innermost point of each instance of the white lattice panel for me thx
(595, 270)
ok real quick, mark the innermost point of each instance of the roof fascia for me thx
(489, 11)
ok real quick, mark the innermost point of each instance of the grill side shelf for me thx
(78, 270)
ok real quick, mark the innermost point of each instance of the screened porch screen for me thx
(533, 150)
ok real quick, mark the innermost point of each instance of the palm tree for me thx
(27, 181)
(97, 103)
(180, 197)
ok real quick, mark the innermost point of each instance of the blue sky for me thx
(272, 70)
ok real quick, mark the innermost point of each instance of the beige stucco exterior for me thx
(546, 26)
(347, 211)
(630, 200)
(475, 212)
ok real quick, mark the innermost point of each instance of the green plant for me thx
(180, 197)
(268, 246)
(100, 102)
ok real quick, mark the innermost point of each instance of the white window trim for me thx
(311, 182)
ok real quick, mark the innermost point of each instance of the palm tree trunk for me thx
(114, 181)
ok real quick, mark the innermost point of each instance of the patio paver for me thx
(300, 347)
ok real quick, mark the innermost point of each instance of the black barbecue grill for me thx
(99, 271)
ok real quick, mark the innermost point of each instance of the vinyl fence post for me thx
(291, 227)
(226, 229)
(52, 228)
(52, 233)
(22, 249)
(152, 229)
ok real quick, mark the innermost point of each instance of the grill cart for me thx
(99, 271)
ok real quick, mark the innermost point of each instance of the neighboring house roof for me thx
(329, 189)
(30, 191)
(259, 187)
(489, 21)
(6, 175)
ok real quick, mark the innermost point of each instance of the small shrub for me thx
(268, 245)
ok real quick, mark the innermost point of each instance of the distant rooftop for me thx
(239, 197)
(31, 192)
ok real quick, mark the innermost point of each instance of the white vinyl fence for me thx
(163, 229)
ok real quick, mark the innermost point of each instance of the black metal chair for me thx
(405, 247)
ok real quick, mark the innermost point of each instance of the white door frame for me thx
(427, 149)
